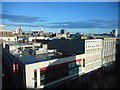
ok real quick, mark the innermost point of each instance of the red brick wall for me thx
(6, 34)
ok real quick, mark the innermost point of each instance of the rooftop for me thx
(19, 43)
(28, 58)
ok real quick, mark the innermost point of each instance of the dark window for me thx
(83, 62)
(35, 78)
(52, 74)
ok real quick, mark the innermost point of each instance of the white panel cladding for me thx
(93, 48)
(36, 66)
(108, 50)
(97, 52)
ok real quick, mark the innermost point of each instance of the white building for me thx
(34, 71)
(108, 51)
(53, 67)
(93, 51)
(36, 31)
(30, 39)
(9, 39)
(1, 27)
(114, 33)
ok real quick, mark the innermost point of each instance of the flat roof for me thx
(27, 58)
(19, 43)
(33, 58)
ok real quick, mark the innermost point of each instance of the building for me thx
(36, 71)
(114, 33)
(6, 33)
(67, 46)
(1, 27)
(93, 51)
(108, 52)
(58, 61)
(63, 31)
(9, 39)
(34, 39)
(19, 46)
(19, 30)
(37, 32)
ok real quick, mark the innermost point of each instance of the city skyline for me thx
(88, 17)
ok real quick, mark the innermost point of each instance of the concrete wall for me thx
(9, 38)
(6, 34)
(15, 47)
(93, 48)
(36, 66)
(70, 47)
(108, 50)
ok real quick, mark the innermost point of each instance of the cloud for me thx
(25, 25)
(96, 23)
(22, 19)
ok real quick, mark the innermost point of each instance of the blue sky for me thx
(88, 17)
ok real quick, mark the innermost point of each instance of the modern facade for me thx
(36, 71)
(93, 51)
(108, 51)
(58, 61)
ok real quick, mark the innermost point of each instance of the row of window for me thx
(52, 74)
(109, 45)
(95, 41)
(93, 44)
(93, 51)
(108, 53)
(93, 65)
(109, 59)
(9, 39)
(93, 58)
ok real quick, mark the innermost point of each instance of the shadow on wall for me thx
(69, 47)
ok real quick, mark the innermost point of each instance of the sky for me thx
(87, 17)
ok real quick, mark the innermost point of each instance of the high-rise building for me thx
(20, 30)
(63, 31)
(114, 33)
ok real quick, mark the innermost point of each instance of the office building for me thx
(108, 52)
(7, 35)
(63, 31)
(114, 33)
(19, 30)
(58, 61)
(45, 68)
(93, 51)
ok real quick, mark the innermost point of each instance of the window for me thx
(83, 62)
(74, 71)
(75, 64)
(51, 74)
(35, 78)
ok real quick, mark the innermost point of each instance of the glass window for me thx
(52, 74)
(35, 78)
